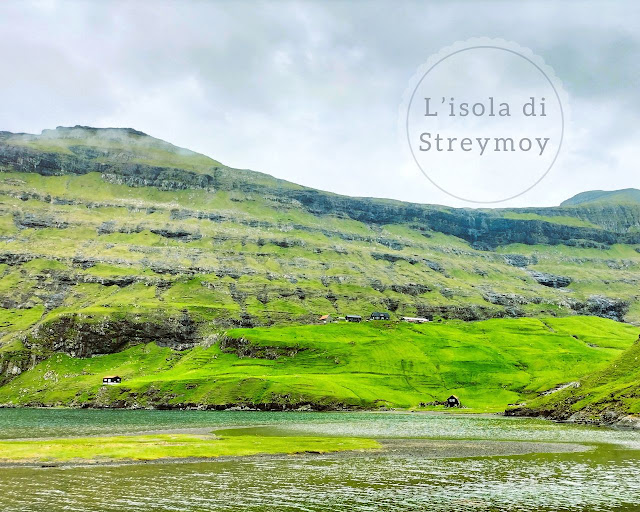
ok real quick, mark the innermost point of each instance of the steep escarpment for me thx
(132, 158)
(84, 335)
(244, 249)
(484, 229)
(124, 156)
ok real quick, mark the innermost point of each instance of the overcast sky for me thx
(310, 91)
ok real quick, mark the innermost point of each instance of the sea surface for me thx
(431, 462)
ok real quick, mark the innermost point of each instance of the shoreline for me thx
(614, 421)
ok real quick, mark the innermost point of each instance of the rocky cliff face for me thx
(79, 336)
(85, 160)
(13, 363)
(485, 229)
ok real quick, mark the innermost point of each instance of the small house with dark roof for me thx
(453, 401)
(376, 315)
(110, 380)
(353, 318)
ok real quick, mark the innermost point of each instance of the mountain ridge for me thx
(484, 228)
(611, 197)
(133, 258)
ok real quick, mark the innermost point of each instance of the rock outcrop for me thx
(550, 280)
(84, 336)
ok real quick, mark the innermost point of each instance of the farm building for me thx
(415, 319)
(453, 401)
(353, 318)
(325, 319)
(379, 316)
(111, 379)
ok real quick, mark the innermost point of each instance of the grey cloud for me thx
(308, 91)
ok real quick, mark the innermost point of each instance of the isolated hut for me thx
(111, 380)
(453, 401)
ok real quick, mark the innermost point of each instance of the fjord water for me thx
(432, 462)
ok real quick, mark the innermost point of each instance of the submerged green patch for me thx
(174, 446)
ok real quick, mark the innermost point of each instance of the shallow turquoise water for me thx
(605, 478)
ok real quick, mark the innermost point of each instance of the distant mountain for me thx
(625, 196)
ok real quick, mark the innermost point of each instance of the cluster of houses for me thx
(112, 380)
(376, 315)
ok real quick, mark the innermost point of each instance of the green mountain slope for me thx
(629, 196)
(124, 145)
(487, 364)
(111, 240)
(609, 395)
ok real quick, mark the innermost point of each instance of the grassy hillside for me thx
(123, 253)
(131, 146)
(626, 196)
(607, 395)
(79, 244)
(488, 364)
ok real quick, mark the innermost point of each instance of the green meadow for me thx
(609, 393)
(487, 364)
(170, 446)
